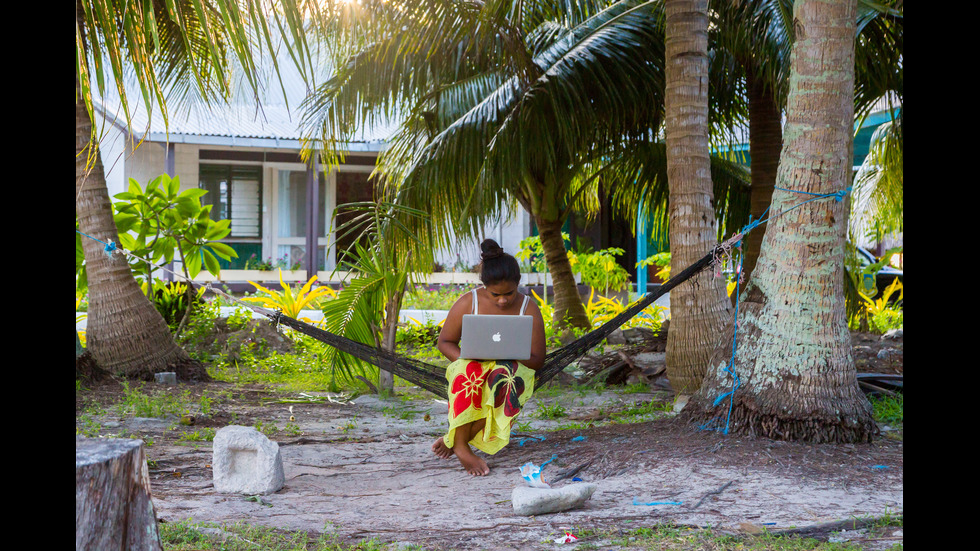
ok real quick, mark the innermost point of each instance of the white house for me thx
(248, 158)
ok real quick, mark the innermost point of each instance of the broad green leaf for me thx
(223, 250)
(218, 230)
(211, 262)
(193, 194)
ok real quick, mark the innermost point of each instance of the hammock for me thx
(433, 378)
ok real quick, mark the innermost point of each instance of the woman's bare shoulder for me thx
(532, 306)
(463, 303)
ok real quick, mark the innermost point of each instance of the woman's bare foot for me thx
(439, 448)
(473, 464)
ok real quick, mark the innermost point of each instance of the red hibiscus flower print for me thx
(507, 387)
(468, 388)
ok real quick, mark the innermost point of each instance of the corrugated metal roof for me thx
(242, 119)
(237, 120)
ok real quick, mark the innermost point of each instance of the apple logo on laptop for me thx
(496, 337)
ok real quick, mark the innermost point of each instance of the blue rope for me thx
(110, 247)
(635, 502)
(837, 195)
(736, 382)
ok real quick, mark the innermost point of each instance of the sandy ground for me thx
(364, 470)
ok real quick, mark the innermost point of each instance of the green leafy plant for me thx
(416, 334)
(162, 404)
(383, 255)
(889, 409)
(434, 298)
(600, 270)
(661, 260)
(856, 292)
(161, 223)
(550, 411)
(203, 435)
(885, 313)
(292, 301)
(530, 254)
(171, 300)
(253, 263)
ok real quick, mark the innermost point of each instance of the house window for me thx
(235, 193)
(292, 216)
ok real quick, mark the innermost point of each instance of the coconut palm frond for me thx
(171, 49)
(352, 315)
(878, 196)
(636, 181)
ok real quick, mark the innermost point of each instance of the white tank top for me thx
(476, 304)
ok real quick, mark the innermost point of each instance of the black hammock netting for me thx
(433, 378)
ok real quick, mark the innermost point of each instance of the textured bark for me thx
(569, 310)
(699, 307)
(113, 506)
(793, 359)
(386, 379)
(125, 333)
(765, 145)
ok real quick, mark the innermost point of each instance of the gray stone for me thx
(680, 402)
(529, 501)
(888, 353)
(893, 334)
(646, 360)
(616, 337)
(637, 335)
(246, 462)
(166, 378)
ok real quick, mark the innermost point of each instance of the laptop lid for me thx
(492, 337)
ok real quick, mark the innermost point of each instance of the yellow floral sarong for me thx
(492, 390)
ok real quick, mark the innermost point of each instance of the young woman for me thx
(486, 396)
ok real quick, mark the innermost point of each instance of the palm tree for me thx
(757, 35)
(879, 206)
(700, 307)
(382, 261)
(502, 106)
(792, 375)
(168, 49)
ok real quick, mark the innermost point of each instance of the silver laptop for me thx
(490, 337)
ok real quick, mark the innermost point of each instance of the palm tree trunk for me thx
(125, 332)
(389, 334)
(569, 310)
(699, 308)
(765, 144)
(793, 359)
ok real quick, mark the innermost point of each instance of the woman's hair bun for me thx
(490, 249)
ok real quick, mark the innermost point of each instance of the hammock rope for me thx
(432, 377)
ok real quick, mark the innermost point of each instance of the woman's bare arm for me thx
(452, 328)
(538, 344)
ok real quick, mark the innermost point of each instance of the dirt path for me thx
(365, 470)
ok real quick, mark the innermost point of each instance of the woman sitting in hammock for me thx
(486, 396)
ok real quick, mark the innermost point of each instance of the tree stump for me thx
(113, 509)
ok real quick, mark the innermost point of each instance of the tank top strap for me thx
(476, 303)
(524, 305)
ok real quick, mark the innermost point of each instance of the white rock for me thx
(893, 334)
(886, 353)
(246, 462)
(166, 378)
(680, 402)
(529, 501)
